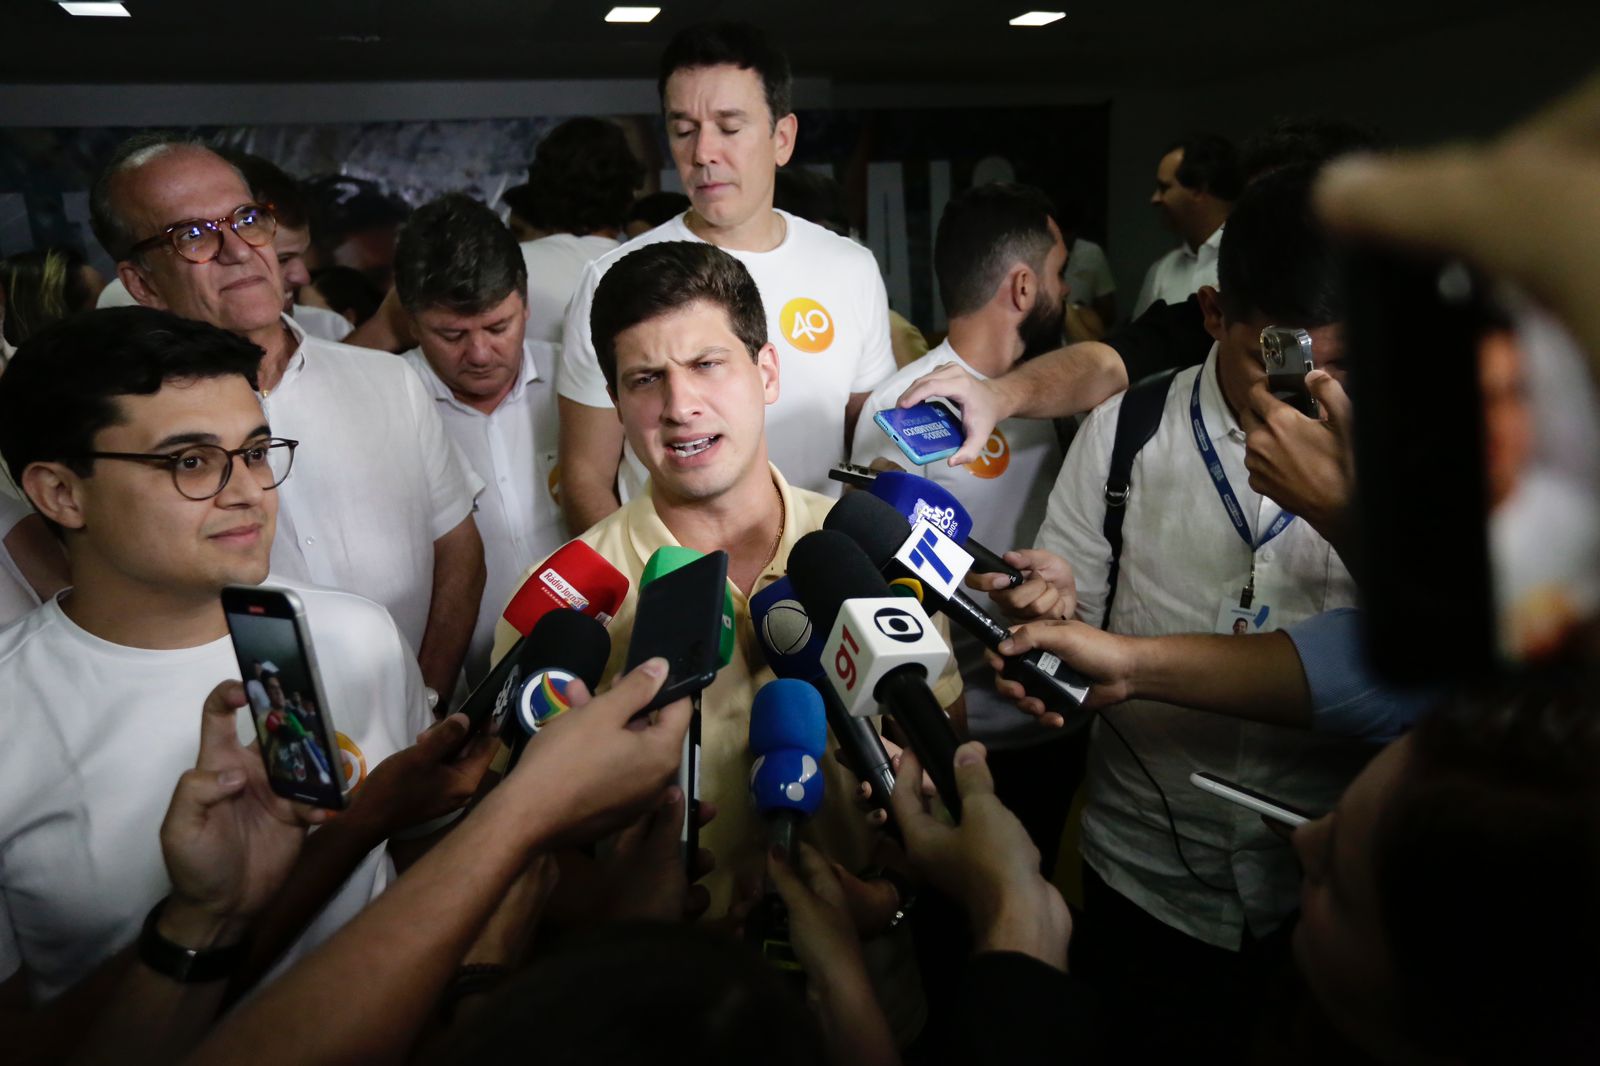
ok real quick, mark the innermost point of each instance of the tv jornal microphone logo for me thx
(926, 554)
(897, 624)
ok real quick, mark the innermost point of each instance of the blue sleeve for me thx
(1347, 698)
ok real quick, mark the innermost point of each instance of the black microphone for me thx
(931, 565)
(562, 646)
(881, 648)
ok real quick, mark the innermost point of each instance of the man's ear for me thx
(55, 492)
(138, 285)
(783, 134)
(1022, 288)
(1211, 308)
(767, 363)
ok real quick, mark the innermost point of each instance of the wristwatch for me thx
(184, 965)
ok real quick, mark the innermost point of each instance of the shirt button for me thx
(311, 540)
(1266, 555)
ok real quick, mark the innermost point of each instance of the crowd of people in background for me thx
(400, 413)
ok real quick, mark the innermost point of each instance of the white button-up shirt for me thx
(1180, 273)
(1180, 556)
(375, 480)
(513, 450)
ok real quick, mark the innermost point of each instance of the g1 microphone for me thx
(575, 576)
(881, 649)
(793, 647)
(919, 498)
(934, 564)
(530, 682)
(670, 557)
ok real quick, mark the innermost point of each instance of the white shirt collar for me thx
(297, 361)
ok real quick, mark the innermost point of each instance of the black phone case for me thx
(679, 618)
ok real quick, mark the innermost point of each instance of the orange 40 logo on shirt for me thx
(806, 325)
(994, 458)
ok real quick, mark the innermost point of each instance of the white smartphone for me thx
(1244, 797)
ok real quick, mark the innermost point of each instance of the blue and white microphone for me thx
(788, 737)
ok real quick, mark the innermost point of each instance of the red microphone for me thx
(575, 577)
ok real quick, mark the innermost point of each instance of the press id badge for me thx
(1241, 621)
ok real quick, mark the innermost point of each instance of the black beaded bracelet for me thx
(184, 965)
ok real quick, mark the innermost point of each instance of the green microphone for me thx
(670, 557)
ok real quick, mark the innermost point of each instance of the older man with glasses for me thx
(138, 435)
(382, 501)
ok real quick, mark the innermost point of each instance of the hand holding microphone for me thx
(1048, 592)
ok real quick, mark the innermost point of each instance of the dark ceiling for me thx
(1144, 42)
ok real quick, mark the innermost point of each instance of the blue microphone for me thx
(917, 497)
(788, 737)
(793, 647)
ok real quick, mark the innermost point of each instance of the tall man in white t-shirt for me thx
(725, 91)
(1175, 939)
(459, 274)
(1196, 184)
(138, 434)
(382, 501)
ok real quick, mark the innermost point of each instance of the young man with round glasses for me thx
(138, 435)
(382, 501)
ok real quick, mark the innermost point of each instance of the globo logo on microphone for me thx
(898, 624)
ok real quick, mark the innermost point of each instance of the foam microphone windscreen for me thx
(916, 497)
(828, 568)
(576, 577)
(788, 714)
(574, 642)
(876, 528)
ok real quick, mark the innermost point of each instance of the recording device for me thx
(1287, 355)
(293, 721)
(930, 565)
(670, 557)
(575, 577)
(793, 648)
(1476, 418)
(880, 649)
(925, 432)
(680, 618)
(916, 498)
(788, 737)
(1277, 810)
(534, 675)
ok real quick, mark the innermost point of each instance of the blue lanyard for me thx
(1219, 478)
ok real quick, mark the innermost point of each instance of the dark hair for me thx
(659, 279)
(455, 253)
(738, 44)
(1210, 164)
(1305, 140)
(60, 389)
(812, 196)
(1487, 864)
(642, 994)
(42, 286)
(659, 207)
(109, 228)
(348, 291)
(271, 186)
(1275, 258)
(582, 178)
(985, 231)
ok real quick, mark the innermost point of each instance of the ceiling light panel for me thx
(1038, 18)
(632, 14)
(95, 9)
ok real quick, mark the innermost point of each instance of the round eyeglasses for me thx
(199, 240)
(201, 471)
